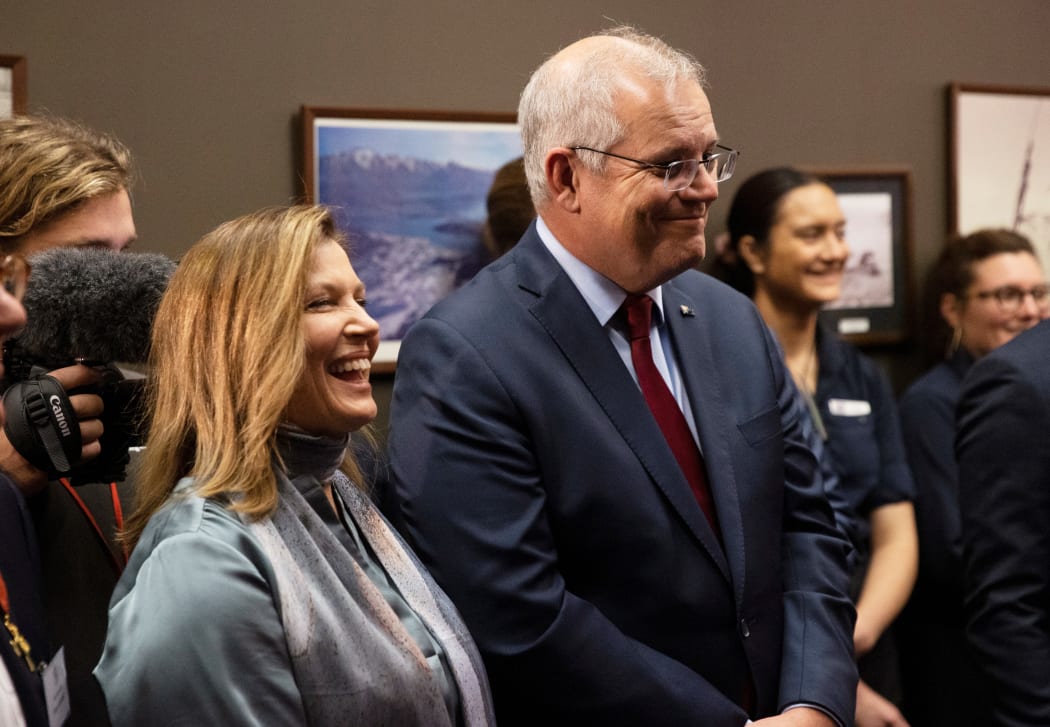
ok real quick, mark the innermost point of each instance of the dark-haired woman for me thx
(787, 250)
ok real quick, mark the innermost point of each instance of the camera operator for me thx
(64, 185)
(22, 638)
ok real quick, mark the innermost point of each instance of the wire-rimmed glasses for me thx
(14, 274)
(680, 174)
(1011, 297)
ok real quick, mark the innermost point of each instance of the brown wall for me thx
(207, 93)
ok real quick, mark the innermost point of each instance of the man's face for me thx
(640, 234)
(103, 221)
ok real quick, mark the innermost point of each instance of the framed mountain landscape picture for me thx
(408, 190)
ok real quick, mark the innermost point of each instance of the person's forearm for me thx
(891, 572)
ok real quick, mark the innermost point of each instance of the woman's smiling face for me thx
(334, 395)
(805, 255)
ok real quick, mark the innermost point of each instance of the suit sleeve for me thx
(817, 665)
(1004, 491)
(198, 641)
(472, 494)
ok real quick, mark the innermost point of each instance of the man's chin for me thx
(694, 258)
(698, 248)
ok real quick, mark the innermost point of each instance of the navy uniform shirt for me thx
(864, 442)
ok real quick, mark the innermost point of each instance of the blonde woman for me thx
(264, 588)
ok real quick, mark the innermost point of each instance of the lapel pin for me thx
(686, 311)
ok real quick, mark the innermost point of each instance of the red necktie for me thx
(668, 415)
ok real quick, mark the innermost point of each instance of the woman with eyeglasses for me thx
(984, 289)
(65, 185)
(787, 251)
(24, 645)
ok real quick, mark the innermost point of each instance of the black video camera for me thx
(42, 427)
(91, 306)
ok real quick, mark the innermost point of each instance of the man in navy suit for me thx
(1003, 450)
(534, 479)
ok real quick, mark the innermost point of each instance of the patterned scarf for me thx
(354, 662)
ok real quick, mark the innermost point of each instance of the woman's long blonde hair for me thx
(227, 352)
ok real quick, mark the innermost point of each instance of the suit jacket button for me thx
(744, 629)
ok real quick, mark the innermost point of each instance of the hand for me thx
(798, 717)
(874, 710)
(87, 407)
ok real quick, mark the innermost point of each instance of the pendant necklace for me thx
(807, 394)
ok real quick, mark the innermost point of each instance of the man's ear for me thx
(951, 309)
(750, 254)
(560, 167)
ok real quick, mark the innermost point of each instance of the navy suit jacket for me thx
(1003, 449)
(536, 485)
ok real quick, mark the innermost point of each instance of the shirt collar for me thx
(603, 296)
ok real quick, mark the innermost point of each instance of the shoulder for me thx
(195, 557)
(712, 291)
(187, 514)
(725, 313)
(938, 386)
(1022, 361)
(195, 634)
(475, 301)
(188, 531)
(1004, 407)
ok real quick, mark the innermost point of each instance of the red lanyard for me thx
(18, 641)
(118, 516)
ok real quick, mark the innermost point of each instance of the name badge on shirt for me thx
(55, 690)
(849, 407)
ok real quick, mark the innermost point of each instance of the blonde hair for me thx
(49, 166)
(227, 352)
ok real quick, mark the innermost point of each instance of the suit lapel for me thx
(690, 331)
(559, 308)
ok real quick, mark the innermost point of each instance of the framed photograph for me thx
(13, 94)
(876, 292)
(999, 161)
(408, 189)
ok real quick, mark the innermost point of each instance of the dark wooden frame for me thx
(19, 89)
(313, 117)
(876, 325)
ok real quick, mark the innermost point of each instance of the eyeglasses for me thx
(14, 274)
(679, 175)
(1010, 297)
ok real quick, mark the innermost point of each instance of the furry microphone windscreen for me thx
(92, 303)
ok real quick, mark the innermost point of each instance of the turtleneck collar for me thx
(309, 454)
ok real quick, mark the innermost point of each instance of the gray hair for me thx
(572, 103)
